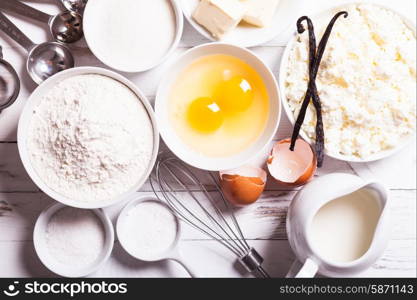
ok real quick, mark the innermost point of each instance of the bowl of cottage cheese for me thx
(88, 138)
(366, 82)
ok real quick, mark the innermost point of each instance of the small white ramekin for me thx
(172, 139)
(24, 124)
(41, 248)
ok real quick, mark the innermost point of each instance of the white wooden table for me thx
(263, 223)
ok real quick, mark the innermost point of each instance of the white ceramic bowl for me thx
(250, 36)
(175, 143)
(24, 123)
(282, 76)
(90, 18)
(41, 248)
(122, 236)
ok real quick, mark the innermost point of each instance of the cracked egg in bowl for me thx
(218, 107)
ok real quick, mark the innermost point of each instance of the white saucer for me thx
(250, 36)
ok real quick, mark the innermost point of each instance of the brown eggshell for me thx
(305, 157)
(243, 186)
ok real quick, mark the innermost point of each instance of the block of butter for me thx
(219, 16)
(260, 12)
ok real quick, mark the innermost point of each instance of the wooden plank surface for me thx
(264, 220)
(263, 223)
(207, 257)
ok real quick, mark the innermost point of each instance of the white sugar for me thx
(75, 237)
(148, 230)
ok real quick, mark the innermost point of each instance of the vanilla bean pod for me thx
(312, 93)
(312, 57)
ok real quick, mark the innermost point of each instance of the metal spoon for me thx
(44, 60)
(66, 27)
(74, 5)
(9, 83)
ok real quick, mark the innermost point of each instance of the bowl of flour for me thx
(88, 138)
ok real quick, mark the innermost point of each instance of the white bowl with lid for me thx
(41, 247)
(328, 13)
(93, 20)
(23, 130)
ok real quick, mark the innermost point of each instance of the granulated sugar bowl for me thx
(73, 242)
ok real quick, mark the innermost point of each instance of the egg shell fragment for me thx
(292, 168)
(244, 185)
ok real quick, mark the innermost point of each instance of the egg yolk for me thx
(204, 115)
(234, 95)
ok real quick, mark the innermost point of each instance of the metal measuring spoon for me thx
(65, 27)
(44, 60)
(74, 5)
(9, 83)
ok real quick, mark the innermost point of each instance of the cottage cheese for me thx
(367, 82)
(90, 138)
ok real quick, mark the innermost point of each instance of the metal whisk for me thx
(198, 207)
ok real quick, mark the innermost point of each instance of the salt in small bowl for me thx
(41, 248)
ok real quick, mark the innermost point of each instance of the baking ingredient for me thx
(366, 82)
(148, 230)
(218, 105)
(343, 229)
(244, 185)
(260, 12)
(219, 16)
(131, 37)
(90, 138)
(292, 168)
(75, 237)
(315, 57)
(234, 95)
(204, 115)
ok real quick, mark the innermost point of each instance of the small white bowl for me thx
(282, 76)
(125, 213)
(50, 262)
(24, 123)
(175, 143)
(89, 18)
(249, 36)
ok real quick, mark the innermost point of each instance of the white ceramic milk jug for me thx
(311, 232)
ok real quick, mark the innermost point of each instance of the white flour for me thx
(90, 138)
(75, 237)
(148, 230)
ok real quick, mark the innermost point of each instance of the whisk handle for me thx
(308, 269)
(252, 262)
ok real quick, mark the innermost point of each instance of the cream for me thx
(343, 229)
